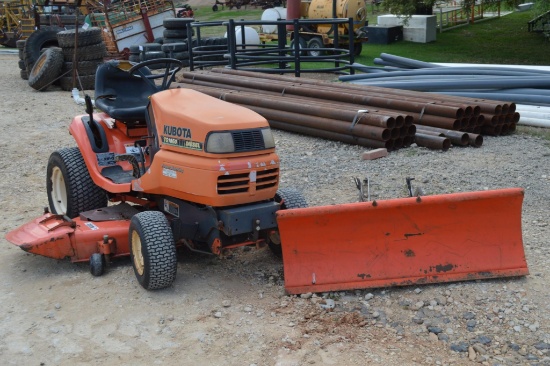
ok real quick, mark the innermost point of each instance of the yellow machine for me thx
(318, 36)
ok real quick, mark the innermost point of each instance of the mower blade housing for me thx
(57, 237)
(406, 241)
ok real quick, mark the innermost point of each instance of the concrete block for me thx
(374, 154)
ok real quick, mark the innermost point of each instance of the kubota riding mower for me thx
(157, 168)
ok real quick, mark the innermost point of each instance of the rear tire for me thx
(153, 250)
(70, 188)
(289, 198)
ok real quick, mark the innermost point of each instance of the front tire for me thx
(70, 188)
(153, 250)
(289, 198)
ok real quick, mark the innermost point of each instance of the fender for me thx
(116, 141)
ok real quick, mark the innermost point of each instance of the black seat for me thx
(121, 95)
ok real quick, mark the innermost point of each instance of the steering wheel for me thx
(171, 67)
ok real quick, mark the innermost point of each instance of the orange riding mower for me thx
(157, 168)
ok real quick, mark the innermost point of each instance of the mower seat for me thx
(122, 96)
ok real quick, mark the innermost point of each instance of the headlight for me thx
(269, 141)
(220, 142)
(240, 141)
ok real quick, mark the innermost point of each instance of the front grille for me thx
(250, 140)
(240, 183)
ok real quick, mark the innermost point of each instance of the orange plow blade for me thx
(406, 241)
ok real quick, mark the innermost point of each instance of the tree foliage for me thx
(407, 8)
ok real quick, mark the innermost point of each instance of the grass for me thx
(543, 133)
(503, 40)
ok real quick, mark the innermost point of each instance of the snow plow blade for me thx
(406, 241)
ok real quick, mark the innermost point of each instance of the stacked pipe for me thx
(529, 85)
(345, 112)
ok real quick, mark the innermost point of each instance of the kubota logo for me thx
(177, 131)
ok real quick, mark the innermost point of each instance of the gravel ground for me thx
(233, 311)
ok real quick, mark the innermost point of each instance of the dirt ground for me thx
(233, 311)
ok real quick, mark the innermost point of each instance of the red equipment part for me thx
(415, 240)
(59, 237)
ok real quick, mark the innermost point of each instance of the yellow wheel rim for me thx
(139, 263)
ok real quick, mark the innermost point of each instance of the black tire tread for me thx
(45, 36)
(158, 249)
(84, 67)
(87, 81)
(86, 37)
(290, 198)
(86, 53)
(82, 193)
(175, 47)
(176, 23)
(46, 69)
(97, 264)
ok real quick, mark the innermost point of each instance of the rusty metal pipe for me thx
(475, 139)
(474, 108)
(334, 95)
(456, 137)
(331, 135)
(432, 142)
(363, 118)
(434, 121)
(385, 119)
(341, 127)
(397, 114)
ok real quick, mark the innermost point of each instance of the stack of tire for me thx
(175, 38)
(29, 49)
(20, 44)
(89, 53)
(215, 48)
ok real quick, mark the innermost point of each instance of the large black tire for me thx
(84, 67)
(46, 69)
(174, 47)
(87, 82)
(152, 250)
(289, 198)
(134, 58)
(301, 44)
(86, 37)
(176, 23)
(70, 188)
(358, 47)
(146, 47)
(176, 33)
(20, 44)
(174, 40)
(317, 47)
(180, 55)
(42, 38)
(152, 55)
(86, 53)
(24, 74)
(134, 49)
(21, 64)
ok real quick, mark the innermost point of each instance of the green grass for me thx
(503, 40)
(543, 133)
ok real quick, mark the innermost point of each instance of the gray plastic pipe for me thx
(485, 83)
